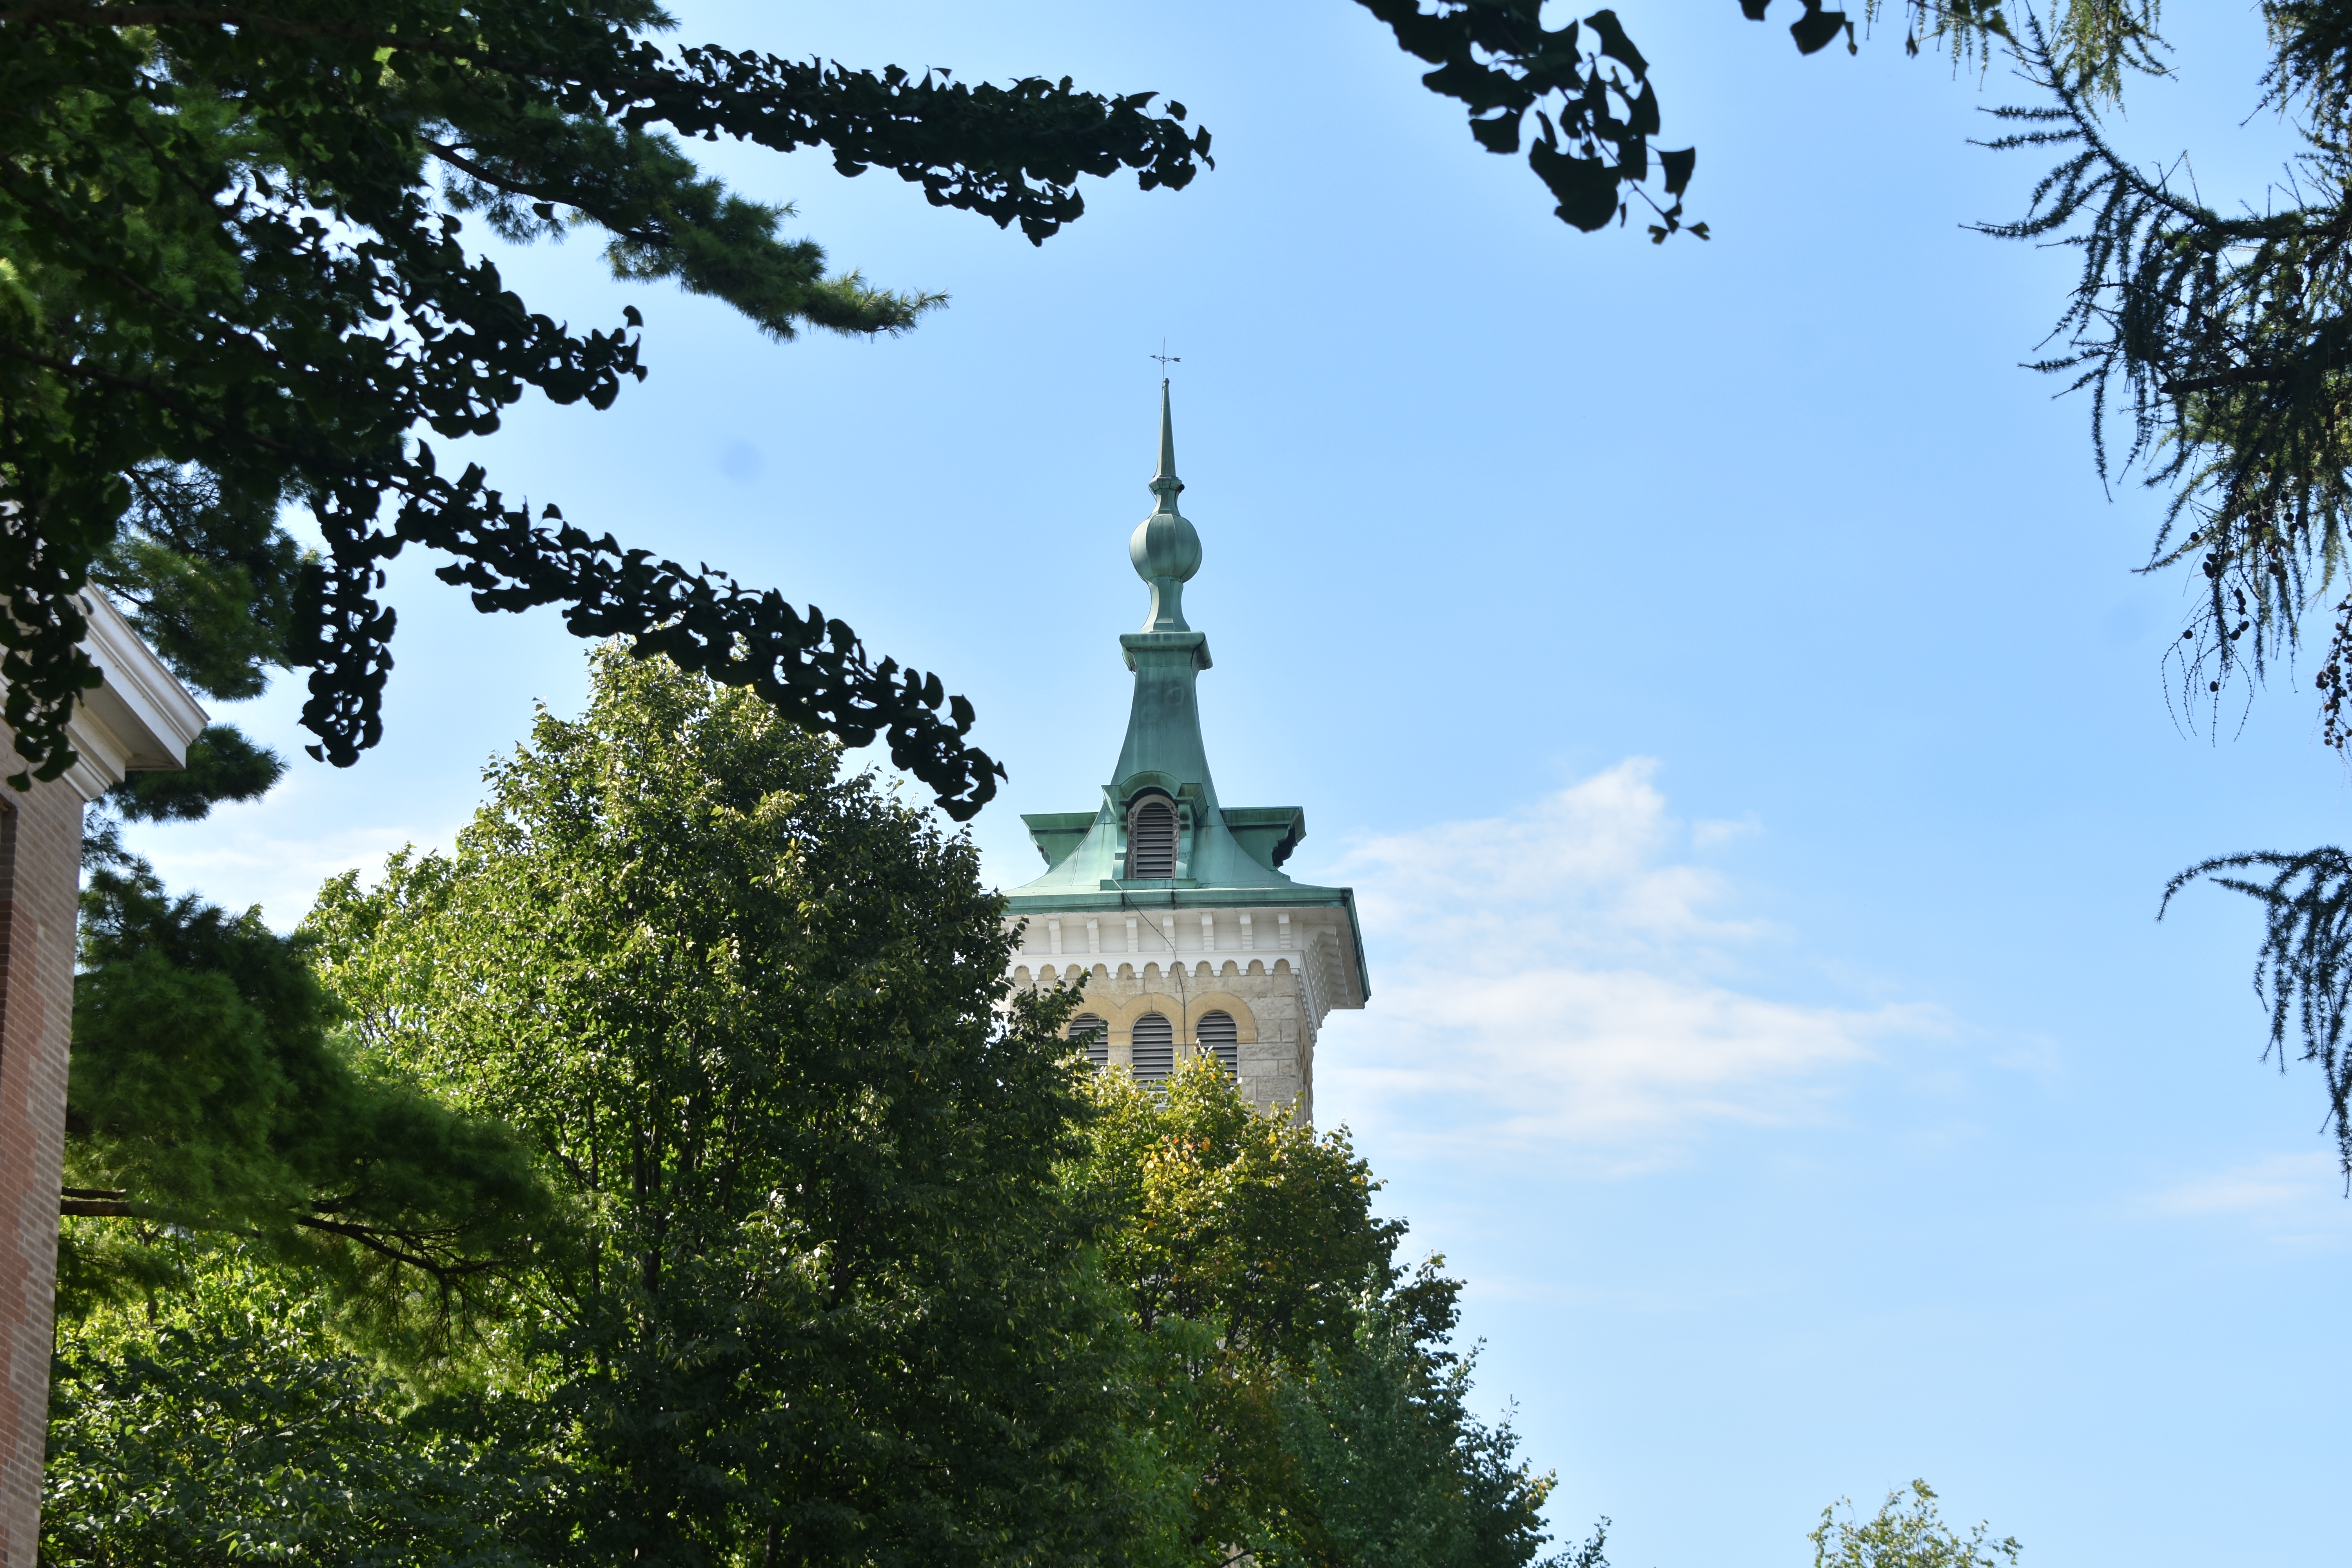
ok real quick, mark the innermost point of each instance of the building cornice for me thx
(1036, 908)
(1161, 896)
(139, 720)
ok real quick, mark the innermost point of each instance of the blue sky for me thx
(1719, 668)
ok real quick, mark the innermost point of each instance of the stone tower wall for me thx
(1269, 1003)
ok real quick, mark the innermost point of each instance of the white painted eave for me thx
(140, 719)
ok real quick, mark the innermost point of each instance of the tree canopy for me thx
(2218, 343)
(847, 1257)
(1299, 1373)
(1908, 1532)
(234, 279)
(212, 1091)
(823, 1302)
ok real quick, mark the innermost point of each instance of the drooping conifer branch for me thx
(2302, 970)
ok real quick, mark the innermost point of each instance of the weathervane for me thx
(1165, 359)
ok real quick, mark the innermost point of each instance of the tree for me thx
(825, 1300)
(1906, 1533)
(232, 284)
(1393, 1469)
(210, 1092)
(233, 1423)
(234, 281)
(2226, 343)
(1299, 1373)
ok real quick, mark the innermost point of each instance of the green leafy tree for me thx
(827, 1302)
(222, 765)
(232, 1423)
(1394, 1468)
(233, 281)
(1907, 1532)
(211, 1092)
(1299, 1373)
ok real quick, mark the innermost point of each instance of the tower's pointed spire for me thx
(1164, 547)
(1165, 484)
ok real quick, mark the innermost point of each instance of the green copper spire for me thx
(1163, 730)
(1164, 548)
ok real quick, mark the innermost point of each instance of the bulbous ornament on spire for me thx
(1165, 549)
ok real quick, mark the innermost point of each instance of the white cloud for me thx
(2295, 1198)
(1562, 979)
(1709, 833)
(245, 853)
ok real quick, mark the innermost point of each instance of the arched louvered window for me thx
(1155, 1048)
(1151, 840)
(1095, 1033)
(1221, 1039)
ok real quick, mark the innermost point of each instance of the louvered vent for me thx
(1221, 1039)
(1152, 842)
(1095, 1033)
(1155, 1048)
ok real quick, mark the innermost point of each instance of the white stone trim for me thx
(140, 719)
(1318, 944)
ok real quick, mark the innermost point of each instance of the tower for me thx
(1172, 904)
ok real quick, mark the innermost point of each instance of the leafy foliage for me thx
(1297, 1374)
(1595, 109)
(205, 574)
(1905, 1533)
(210, 1094)
(2093, 44)
(230, 284)
(1254, 1221)
(828, 1301)
(1396, 1469)
(2224, 339)
(233, 1426)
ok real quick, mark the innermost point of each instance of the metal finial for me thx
(1164, 483)
(1165, 549)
